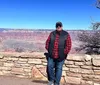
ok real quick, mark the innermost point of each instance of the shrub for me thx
(91, 41)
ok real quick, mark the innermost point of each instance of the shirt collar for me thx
(58, 32)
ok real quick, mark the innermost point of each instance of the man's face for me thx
(59, 28)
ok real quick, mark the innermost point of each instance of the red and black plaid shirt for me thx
(55, 50)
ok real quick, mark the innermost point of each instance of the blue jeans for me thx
(54, 70)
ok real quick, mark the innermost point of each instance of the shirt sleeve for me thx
(47, 42)
(68, 45)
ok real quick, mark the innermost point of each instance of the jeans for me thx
(54, 70)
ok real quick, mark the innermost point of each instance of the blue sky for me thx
(43, 14)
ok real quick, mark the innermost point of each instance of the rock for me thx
(1, 56)
(86, 67)
(64, 73)
(14, 59)
(8, 64)
(87, 77)
(96, 68)
(1, 63)
(36, 74)
(88, 63)
(97, 72)
(25, 65)
(76, 57)
(79, 63)
(28, 67)
(45, 64)
(3, 60)
(39, 55)
(21, 59)
(35, 61)
(1, 73)
(36, 55)
(65, 68)
(76, 70)
(21, 62)
(44, 60)
(87, 71)
(21, 76)
(69, 62)
(96, 61)
(62, 81)
(73, 74)
(39, 66)
(72, 80)
(6, 68)
(83, 82)
(97, 77)
(43, 71)
(89, 82)
(6, 72)
(96, 83)
(10, 58)
(88, 58)
(16, 64)
(27, 70)
(72, 66)
(17, 71)
(96, 80)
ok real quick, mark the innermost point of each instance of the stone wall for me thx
(79, 69)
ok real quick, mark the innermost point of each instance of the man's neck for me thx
(58, 31)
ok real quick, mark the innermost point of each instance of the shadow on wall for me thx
(40, 81)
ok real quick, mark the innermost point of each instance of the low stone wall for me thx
(79, 69)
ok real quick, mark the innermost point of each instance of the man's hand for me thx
(47, 55)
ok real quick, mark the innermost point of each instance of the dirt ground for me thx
(8, 80)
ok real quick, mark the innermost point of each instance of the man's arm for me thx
(68, 45)
(47, 42)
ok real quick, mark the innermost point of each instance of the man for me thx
(58, 46)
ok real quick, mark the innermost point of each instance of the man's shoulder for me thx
(65, 32)
(52, 31)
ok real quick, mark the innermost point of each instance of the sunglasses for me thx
(58, 26)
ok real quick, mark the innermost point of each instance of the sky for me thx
(43, 14)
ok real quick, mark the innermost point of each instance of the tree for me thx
(95, 24)
(91, 41)
(98, 4)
